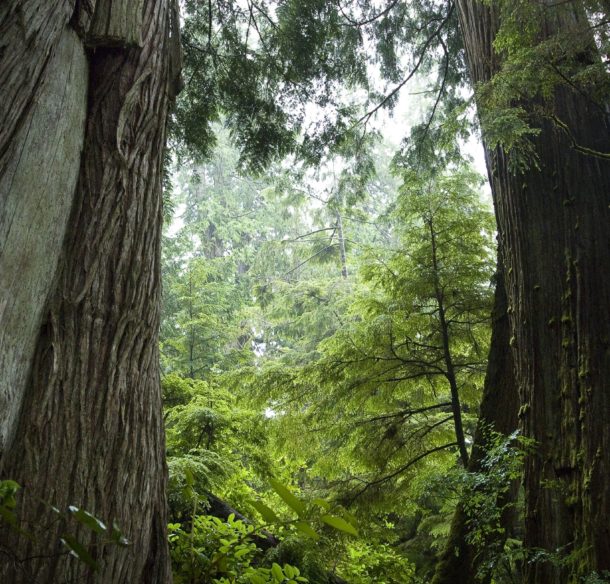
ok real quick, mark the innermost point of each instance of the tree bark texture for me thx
(39, 167)
(460, 561)
(89, 427)
(553, 224)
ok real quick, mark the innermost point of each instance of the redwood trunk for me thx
(88, 427)
(553, 223)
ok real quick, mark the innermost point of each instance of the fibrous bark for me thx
(553, 222)
(37, 181)
(116, 23)
(89, 426)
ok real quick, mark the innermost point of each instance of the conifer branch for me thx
(366, 117)
(399, 471)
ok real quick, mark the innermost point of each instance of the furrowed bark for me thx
(553, 224)
(89, 432)
(29, 34)
(38, 174)
(116, 23)
(460, 561)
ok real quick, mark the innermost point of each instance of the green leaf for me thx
(78, 549)
(8, 490)
(188, 492)
(86, 519)
(8, 516)
(266, 513)
(116, 535)
(349, 517)
(189, 479)
(339, 524)
(293, 502)
(305, 528)
(322, 503)
(277, 572)
(242, 552)
(8, 487)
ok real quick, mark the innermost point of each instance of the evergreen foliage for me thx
(336, 325)
(356, 365)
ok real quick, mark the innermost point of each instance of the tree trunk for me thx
(461, 561)
(456, 407)
(84, 425)
(553, 224)
(41, 138)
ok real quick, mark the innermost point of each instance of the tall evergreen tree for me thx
(389, 381)
(552, 220)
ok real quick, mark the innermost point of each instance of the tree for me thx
(463, 560)
(81, 401)
(552, 220)
(387, 384)
(542, 97)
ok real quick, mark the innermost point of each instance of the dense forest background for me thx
(302, 340)
(264, 321)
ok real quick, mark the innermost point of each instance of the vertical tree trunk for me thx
(461, 560)
(456, 407)
(191, 329)
(89, 428)
(41, 138)
(553, 224)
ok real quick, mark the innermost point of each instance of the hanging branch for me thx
(366, 117)
(403, 413)
(441, 91)
(359, 23)
(399, 471)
